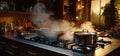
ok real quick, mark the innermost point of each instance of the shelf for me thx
(15, 12)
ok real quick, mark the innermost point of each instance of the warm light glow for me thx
(96, 12)
(77, 17)
(96, 5)
(78, 0)
(6, 19)
(66, 3)
(78, 7)
(101, 11)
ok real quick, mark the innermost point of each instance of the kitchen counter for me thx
(65, 52)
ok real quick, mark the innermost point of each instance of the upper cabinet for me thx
(17, 5)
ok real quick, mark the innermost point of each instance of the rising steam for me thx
(88, 26)
(43, 19)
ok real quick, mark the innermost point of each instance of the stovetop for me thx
(65, 44)
(99, 51)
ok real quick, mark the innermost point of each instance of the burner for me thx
(102, 43)
(85, 42)
(82, 50)
(40, 38)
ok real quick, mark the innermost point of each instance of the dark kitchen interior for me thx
(59, 27)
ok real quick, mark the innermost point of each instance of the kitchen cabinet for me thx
(16, 5)
(10, 47)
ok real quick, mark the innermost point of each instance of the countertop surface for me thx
(98, 52)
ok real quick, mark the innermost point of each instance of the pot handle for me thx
(84, 30)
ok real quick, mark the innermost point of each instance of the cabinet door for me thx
(6, 48)
(35, 51)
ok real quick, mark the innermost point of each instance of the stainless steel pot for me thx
(85, 38)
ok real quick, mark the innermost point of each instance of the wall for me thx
(10, 17)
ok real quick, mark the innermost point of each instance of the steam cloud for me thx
(43, 19)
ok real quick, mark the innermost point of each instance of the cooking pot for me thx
(85, 38)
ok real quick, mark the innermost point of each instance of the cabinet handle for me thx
(32, 53)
